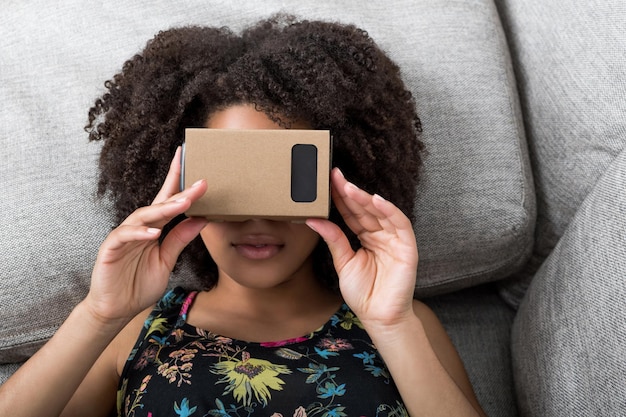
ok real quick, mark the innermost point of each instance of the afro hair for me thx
(331, 75)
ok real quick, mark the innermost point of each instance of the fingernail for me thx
(180, 200)
(195, 184)
(352, 186)
(311, 226)
(153, 231)
(379, 198)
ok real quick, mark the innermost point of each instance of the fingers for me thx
(366, 213)
(145, 225)
(159, 214)
(170, 200)
(179, 237)
(377, 222)
(123, 235)
(171, 185)
(335, 239)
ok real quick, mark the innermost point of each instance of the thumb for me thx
(335, 239)
(179, 237)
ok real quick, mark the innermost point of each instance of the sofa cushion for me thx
(479, 324)
(6, 370)
(568, 339)
(571, 68)
(475, 209)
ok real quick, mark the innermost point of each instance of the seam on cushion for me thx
(507, 74)
(526, 202)
(517, 113)
(48, 330)
(499, 266)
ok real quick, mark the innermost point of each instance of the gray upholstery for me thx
(7, 369)
(475, 220)
(478, 322)
(569, 338)
(524, 110)
(569, 58)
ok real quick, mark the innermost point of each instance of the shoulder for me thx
(124, 342)
(99, 386)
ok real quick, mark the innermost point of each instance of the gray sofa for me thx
(521, 213)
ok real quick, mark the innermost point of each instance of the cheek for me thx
(307, 238)
(213, 235)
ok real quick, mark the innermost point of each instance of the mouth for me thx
(258, 247)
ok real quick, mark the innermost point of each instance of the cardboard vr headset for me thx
(271, 174)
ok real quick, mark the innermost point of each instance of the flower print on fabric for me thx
(346, 319)
(300, 412)
(184, 410)
(373, 364)
(131, 406)
(176, 369)
(250, 377)
(178, 366)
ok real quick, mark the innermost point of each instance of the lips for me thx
(258, 247)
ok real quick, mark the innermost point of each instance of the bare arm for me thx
(425, 366)
(377, 282)
(44, 384)
(97, 391)
(131, 272)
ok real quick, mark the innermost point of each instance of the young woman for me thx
(310, 319)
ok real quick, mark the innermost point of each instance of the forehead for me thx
(245, 116)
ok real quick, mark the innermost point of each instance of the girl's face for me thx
(258, 253)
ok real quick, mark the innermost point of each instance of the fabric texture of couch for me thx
(522, 198)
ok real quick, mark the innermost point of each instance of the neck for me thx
(290, 309)
(299, 295)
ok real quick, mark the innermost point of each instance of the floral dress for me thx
(179, 370)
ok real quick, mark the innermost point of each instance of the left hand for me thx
(377, 281)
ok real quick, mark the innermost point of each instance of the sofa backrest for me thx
(570, 60)
(475, 210)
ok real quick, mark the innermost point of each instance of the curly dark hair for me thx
(331, 75)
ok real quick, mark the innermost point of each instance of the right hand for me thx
(132, 269)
